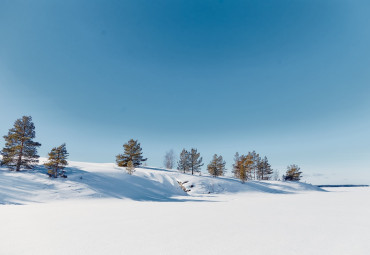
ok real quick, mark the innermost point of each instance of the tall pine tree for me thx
(217, 166)
(132, 152)
(195, 161)
(184, 162)
(244, 167)
(57, 161)
(20, 151)
(264, 170)
(256, 160)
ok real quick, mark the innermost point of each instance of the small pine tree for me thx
(235, 170)
(183, 164)
(264, 170)
(195, 161)
(217, 166)
(292, 173)
(132, 152)
(20, 151)
(57, 161)
(130, 168)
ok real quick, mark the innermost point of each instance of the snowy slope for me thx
(217, 216)
(106, 180)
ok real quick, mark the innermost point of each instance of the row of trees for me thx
(251, 167)
(20, 152)
(190, 161)
(246, 167)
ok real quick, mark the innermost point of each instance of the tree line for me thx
(20, 152)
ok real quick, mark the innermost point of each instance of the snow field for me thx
(99, 209)
(243, 223)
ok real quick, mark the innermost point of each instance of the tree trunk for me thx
(18, 168)
(19, 160)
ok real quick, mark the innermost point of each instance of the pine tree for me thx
(217, 166)
(195, 161)
(292, 173)
(264, 170)
(256, 160)
(184, 162)
(130, 168)
(169, 160)
(235, 165)
(132, 152)
(242, 171)
(57, 161)
(20, 151)
(244, 167)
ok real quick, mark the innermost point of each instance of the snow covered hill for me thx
(106, 180)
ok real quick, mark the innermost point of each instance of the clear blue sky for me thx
(289, 79)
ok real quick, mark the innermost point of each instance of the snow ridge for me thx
(106, 180)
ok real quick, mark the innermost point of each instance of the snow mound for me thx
(106, 180)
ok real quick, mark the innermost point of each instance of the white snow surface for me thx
(106, 180)
(100, 209)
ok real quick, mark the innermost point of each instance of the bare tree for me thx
(276, 175)
(169, 159)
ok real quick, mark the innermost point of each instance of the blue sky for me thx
(289, 79)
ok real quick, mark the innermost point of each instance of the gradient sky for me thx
(289, 79)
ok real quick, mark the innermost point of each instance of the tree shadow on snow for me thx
(120, 185)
